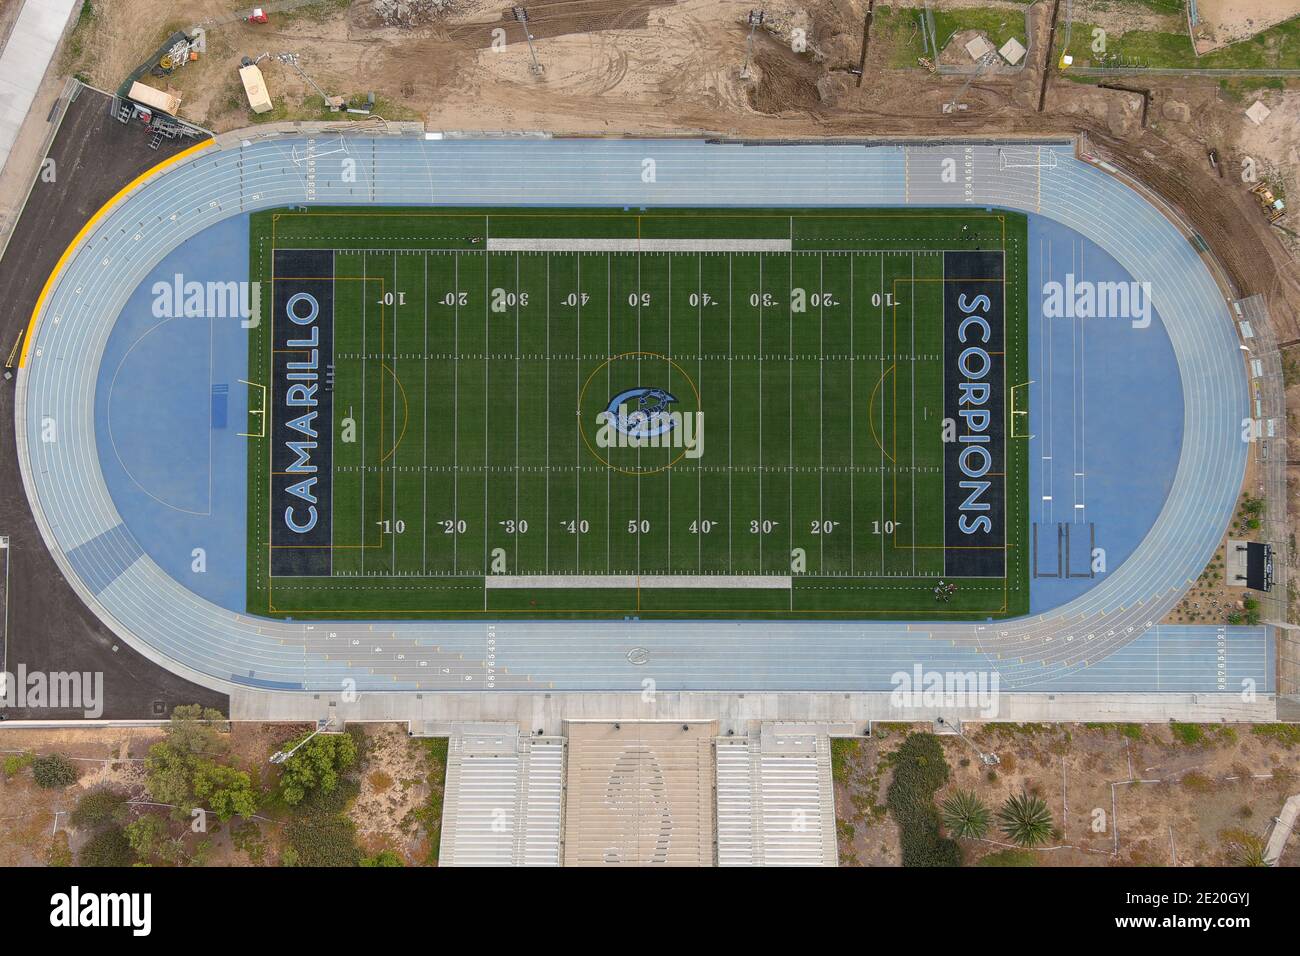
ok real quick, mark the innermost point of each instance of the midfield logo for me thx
(643, 417)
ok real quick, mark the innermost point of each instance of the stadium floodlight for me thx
(756, 18)
(281, 756)
(521, 15)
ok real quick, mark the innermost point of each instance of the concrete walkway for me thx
(24, 61)
(1285, 823)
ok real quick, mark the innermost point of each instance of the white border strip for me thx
(647, 581)
(577, 244)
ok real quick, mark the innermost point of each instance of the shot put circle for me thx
(654, 387)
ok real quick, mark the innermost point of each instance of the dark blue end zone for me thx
(301, 404)
(974, 491)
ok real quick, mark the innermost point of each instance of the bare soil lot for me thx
(1120, 795)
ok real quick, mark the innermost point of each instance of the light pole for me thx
(521, 15)
(755, 21)
(281, 756)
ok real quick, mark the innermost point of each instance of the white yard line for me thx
(334, 311)
(547, 522)
(516, 527)
(393, 526)
(364, 363)
(577, 438)
(424, 420)
(609, 352)
(760, 412)
(487, 404)
(638, 376)
(912, 408)
(821, 415)
(730, 421)
(789, 485)
(455, 413)
(699, 375)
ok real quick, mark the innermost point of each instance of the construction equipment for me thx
(1273, 207)
(176, 51)
(181, 52)
(257, 16)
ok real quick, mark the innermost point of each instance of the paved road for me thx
(49, 628)
(1056, 650)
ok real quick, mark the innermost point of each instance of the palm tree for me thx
(1026, 820)
(965, 815)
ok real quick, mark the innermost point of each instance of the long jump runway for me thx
(1105, 640)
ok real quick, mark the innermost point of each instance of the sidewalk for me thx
(24, 61)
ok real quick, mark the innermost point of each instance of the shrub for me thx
(842, 751)
(150, 837)
(316, 765)
(1026, 820)
(1248, 851)
(98, 807)
(59, 853)
(919, 771)
(108, 847)
(16, 763)
(322, 840)
(1288, 735)
(383, 858)
(1190, 734)
(1009, 857)
(53, 770)
(228, 791)
(965, 815)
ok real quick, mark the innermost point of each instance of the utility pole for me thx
(521, 15)
(756, 18)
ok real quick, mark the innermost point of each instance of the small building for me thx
(1258, 112)
(1012, 51)
(255, 88)
(978, 47)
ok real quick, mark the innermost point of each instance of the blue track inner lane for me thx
(178, 478)
(1106, 414)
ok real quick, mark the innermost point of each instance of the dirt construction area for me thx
(1118, 794)
(646, 67)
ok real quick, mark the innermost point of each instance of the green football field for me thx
(471, 463)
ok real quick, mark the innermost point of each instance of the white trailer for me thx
(255, 88)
